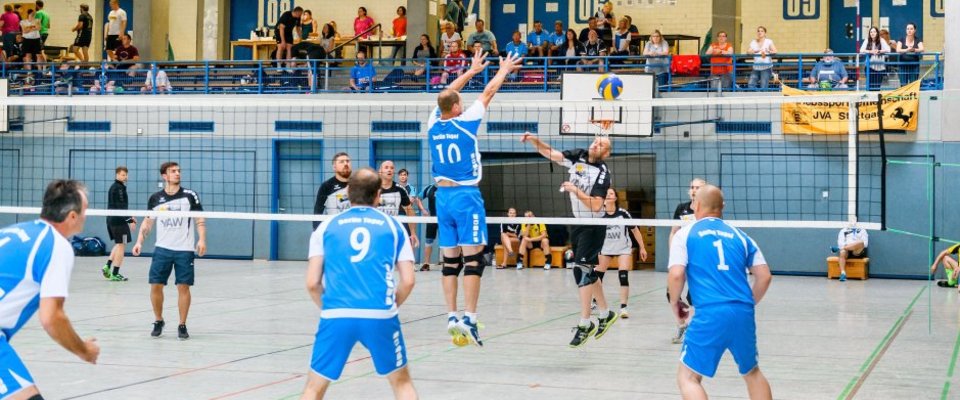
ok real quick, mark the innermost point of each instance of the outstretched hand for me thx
(527, 137)
(479, 62)
(511, 63)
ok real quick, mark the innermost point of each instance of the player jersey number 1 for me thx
(452, 153)
(723, 264)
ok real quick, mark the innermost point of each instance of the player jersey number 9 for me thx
(452, 154)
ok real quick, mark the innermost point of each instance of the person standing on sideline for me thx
(404, 183)
(283, 33)
(10, 27)
(456, 168)
(43, 19)
(359, 302)
(714, 258)
(589, 180)
(118, 227)
(116, 25)
(175, 247)
(36, 261)
(332, 194)
(84, 30)
(394, 200)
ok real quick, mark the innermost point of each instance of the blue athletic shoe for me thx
(471, 330)
(453, 327)
(843, 277)
(835, 249)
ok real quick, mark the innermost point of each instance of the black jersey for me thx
(393, 200)
(592, 178)
(684, 212)
(429, 195)
(331, 199)
(117, 200)
(618, 232)
(510, 228)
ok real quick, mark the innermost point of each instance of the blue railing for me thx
(409, 75)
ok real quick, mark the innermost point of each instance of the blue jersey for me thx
(360, 249)
(454, 149)
(716, 256)
(35, 261)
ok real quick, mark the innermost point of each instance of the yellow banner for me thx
(901, 108)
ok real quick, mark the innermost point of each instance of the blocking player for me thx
(35, 265)
(588, 184)
(714, 257)
(353, 257)
(455, 166)
(684, 213)
(118, 227)
(617, 244)
(949, 266)
(332, 194)
(175, 248)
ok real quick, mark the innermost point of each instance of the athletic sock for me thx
(116, 270)
(584, 322)
(452, 314)
(471, 315)
(604, 313)
(109, 263)
(623, 305)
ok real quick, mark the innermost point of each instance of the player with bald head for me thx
(587, 187)
(455, 165)
(714, 257)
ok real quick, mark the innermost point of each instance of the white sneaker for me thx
(546, 266)
(519, 265)
(623, 313)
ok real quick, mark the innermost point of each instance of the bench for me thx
(857, 268)
(535, 256)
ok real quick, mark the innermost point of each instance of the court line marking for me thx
(953, 364)
(878, 352)
(487, 339)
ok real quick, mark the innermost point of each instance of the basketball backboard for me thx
(586, 106)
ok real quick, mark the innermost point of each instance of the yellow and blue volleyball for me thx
(609, 86)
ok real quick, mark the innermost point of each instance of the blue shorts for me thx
(716, 329)
(13, 374)
(337, 336)
(461, 217)
(165, 261)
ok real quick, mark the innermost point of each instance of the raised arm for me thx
(507, 66)
(542, 148)
(476, 66)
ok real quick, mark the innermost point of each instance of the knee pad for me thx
(452, 266)
(600, 275)
(474, 265)
(624, 278)
(584, 275)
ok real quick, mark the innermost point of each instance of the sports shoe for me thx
(834, 249)
(519, 265)
(425, 267)
(157, 328)
(843, 277)
(118, 278)
(680, 331)
(453, 327)
(106, 271)
(623, 313)
(546, 266)
(582, 333)
(182, 332)
(606, 323)
(470, 329)
(945, 284)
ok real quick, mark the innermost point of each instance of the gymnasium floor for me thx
(252, 327)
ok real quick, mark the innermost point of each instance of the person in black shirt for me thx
(394, 199)
(685, 213)
(509, 233)
(288, 21)
(585, 32)
(118, 227)
(428, 195)
(84, 30)
(332, 195)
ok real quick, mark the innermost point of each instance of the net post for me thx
(852, 127)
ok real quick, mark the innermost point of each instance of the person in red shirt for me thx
(454, 63)
(399, 31)
(721, 68)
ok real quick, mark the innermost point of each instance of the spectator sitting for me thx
(557, 37)
(486, 38)
(422, 55)
(593, 49)
(508, 233)
(449, 37)
(829, 73)
(476, 48)
(571, 49)
(538, 41)
(127, 52)
(851, 243)
(67, 78)
(163, 83)
(109, 88)
(721, 68)
(533, 235)
(15, 54)
(621, 40)
(516, 47)
(454, 63)
(657, 52)
(950, 268)
(585, 32)
(328, 40)
(362, 74)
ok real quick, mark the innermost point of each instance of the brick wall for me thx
(790, 36)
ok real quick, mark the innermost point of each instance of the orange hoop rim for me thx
(605, 125)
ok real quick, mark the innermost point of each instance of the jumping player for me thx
(455, 165)
(617, 244)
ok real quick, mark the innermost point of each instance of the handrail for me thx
(356, 38)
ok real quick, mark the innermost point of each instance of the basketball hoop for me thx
(605, 126)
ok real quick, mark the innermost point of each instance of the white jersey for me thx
(35, 262)
(592, 178)
(852, 235)
(175, 233)
(114, 21)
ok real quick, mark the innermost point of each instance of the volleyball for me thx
(609, 86)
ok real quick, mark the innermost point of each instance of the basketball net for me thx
(605, 126)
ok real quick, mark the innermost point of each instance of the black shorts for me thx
(287, 36)
(862, 254)
(43, 38)
(587, 242)
(84, 38)
(431, 234)
(113, 41)
(32, 46)
(119, 234)
(535, 244)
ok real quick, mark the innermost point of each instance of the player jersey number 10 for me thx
(269, 11)
(452, 154)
